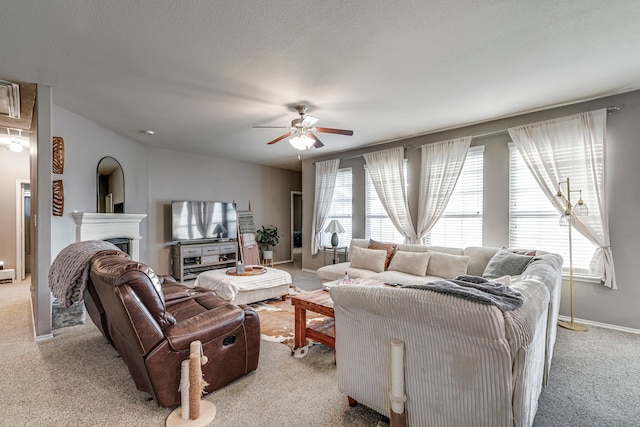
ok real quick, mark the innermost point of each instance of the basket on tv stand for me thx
(188, 259)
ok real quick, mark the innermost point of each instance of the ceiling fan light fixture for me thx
(16, 147)
(301, 142)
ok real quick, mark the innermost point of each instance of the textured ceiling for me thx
(202, 73)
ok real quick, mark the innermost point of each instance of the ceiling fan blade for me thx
(317, 143)
(336, 131)
(280, 138)
(271, 127)
(309, 121)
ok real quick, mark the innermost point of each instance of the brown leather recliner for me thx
(152, 324)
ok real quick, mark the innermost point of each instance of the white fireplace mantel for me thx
(101, 226)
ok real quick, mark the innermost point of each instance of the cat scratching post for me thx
(193, 412)
(398, 416)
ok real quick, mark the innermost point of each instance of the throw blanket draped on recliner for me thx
(479, 289)
(69, 273)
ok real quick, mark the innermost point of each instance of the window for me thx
(341, 206)
(461, 223)
(378, 225)
(534, 221)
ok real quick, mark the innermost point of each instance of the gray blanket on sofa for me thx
(69, 272)
(478, 289)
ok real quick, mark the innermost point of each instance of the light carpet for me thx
(77, 379)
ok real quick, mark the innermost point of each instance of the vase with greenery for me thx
(267, 237)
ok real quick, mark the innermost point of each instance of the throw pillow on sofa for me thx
(414, 263)
(447, 266)
(389, 247)
(368, 259)
(506, 263)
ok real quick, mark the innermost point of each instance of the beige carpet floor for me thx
(77, 379)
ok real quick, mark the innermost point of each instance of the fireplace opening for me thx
(122, 243)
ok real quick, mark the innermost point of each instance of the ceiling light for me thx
(302, 142)
(148, 132)
(16, 147)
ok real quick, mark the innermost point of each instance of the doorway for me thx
(23, 229)
(296, 228)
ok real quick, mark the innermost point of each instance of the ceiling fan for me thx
(303, 130)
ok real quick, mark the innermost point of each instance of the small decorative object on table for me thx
(247, 270)
(346, 280)
(240, 267)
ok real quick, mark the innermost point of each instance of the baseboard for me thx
(601, 325)
(37, 338)
(309, 270)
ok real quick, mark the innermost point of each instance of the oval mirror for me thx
(110, 186)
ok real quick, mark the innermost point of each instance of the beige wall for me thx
(592, 301)
(175, 175)
(13, 167)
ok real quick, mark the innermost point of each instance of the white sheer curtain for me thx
(387, 175)
(326, 173)
(564, 148)
(440, 168)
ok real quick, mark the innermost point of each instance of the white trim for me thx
(100, 226)
(601, 325)
(308, 270)
(584, 278)
(38, 338)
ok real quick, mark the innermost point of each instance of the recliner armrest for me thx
(207, 326)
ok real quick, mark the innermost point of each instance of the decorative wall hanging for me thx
(58, 154)
(58, 197)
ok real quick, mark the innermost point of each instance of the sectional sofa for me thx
(465, 363)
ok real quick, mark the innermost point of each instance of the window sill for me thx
(586, 278)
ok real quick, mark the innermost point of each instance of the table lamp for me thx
(334, 227)
(219, 230)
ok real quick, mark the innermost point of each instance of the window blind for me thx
(461, 223)
(341, 208)
(534, 221)
(378, 225)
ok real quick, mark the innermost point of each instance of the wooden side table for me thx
(318, 301)
(336, 251)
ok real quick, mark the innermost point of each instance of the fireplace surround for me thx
(107, 226)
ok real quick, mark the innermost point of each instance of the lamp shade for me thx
(334, 227)
(302, 142)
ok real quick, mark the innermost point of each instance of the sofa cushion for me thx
(368, 259)
(361, 243)
(410, 262)
(479, 257)
(403, 278)
(389, 247)
(447, 266)
(505, 262)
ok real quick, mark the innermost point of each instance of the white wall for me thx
(592, 301)
(85, 144)
(182, 176)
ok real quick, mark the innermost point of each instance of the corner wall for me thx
(85, 144)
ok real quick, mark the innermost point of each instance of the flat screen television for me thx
(206, 221)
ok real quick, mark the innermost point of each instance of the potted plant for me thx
(267, 237)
